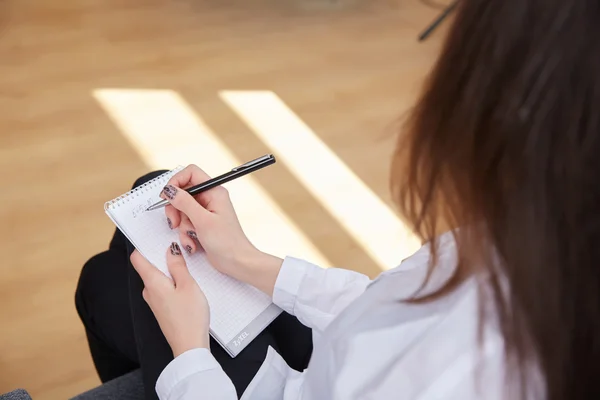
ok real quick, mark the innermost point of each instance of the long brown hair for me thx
(505, 144)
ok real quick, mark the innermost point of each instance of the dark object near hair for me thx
(440, 18)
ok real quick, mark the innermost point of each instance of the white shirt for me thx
(368, 342)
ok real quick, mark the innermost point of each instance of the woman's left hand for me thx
(178, 304)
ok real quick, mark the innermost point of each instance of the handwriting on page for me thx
(140, 208)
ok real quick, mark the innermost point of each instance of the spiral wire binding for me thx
(126, 197)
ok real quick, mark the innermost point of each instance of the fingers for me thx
(187, 235)
(189, 176)
(184, 202)
(173, 216)
(149, 273)
(177, 266)
(194, 175)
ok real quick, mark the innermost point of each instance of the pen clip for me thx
(253, 162)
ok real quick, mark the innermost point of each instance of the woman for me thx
(497, 171)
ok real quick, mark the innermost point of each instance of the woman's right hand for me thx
(209, 219)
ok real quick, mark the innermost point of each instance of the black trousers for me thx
(123, 334)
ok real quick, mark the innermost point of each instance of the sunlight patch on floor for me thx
(167, 132)
(352, 203)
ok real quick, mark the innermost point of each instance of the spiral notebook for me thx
(238, 312)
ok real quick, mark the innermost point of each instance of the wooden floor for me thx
(348, 69)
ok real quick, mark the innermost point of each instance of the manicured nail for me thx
(175, 250)
(170, 223)
(192, 235)
(170, 191)
(188, 248)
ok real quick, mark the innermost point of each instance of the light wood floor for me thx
(348, 71)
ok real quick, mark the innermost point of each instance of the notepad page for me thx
(233, 304)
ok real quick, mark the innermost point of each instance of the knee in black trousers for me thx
(102, 303)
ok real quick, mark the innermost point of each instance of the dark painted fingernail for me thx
(189, 249)
(175, 250)
(170, 191)
(192, 235)
(170, 223)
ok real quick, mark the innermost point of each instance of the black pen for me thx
(237, 172)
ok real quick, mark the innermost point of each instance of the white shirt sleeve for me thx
(313, 294)
(316, 295)
(192, 373)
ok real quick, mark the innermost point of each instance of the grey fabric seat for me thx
(126, 387)
(18, 394)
